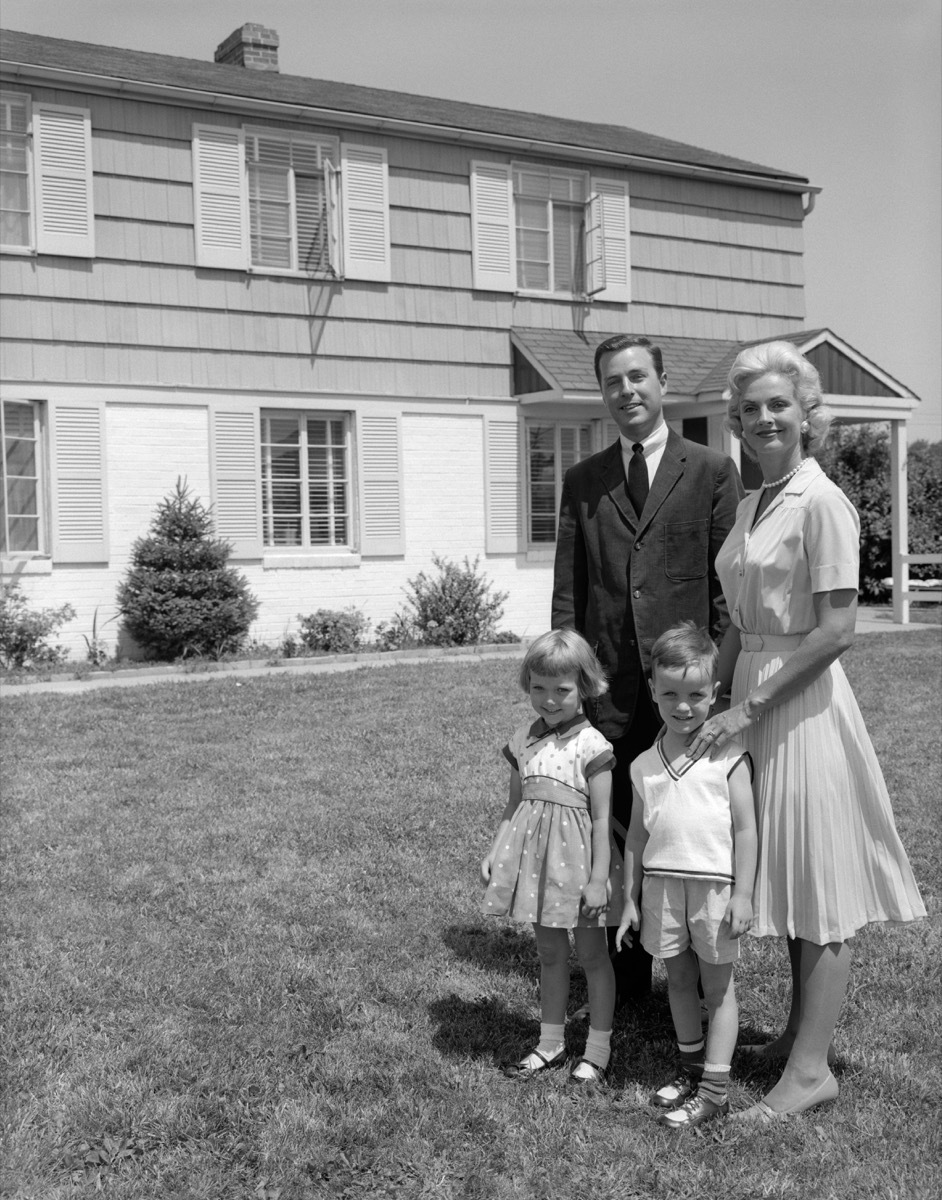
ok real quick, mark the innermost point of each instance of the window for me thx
(45, 178)
(549, 209)
(283, 201)
(547, 229)
(21, 521)
(14, 172)
(306, 491)
(552, 448)
(288, 209)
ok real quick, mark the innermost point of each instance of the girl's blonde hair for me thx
(780, 358)
(564, 652)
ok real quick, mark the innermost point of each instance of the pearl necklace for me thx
(785, 478)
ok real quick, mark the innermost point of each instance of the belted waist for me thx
(544, 787)
(770, 641)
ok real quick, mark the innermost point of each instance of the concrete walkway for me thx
(869, 620)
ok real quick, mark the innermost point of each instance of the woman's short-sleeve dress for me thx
(830, 858)
(545, 859)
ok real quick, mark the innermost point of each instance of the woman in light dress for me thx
(830, 859)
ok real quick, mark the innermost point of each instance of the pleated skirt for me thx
(830, 859)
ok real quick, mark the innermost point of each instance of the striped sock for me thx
(715, 1082)
(598, 1047)
(691, 1057)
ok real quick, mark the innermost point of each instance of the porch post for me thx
(899, 506)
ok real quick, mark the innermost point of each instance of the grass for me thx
(243, 959)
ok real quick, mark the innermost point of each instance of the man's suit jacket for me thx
(621, 581)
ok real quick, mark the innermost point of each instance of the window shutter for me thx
(219, 202)
(613, 194)
(237, 500)
(365, 197)
(65, 222)
(502, 487)
(79, 510)
(381, 508)
(494, 263)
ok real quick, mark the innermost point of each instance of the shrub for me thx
(334, 631)
(25, 631)
(857, 458)
(179, 596)
(401, 633)
(456, 607)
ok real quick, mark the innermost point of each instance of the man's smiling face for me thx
(633, 391)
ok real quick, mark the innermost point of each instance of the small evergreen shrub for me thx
(334, 631)
(454, 607)
(179, 597)
(25, 631)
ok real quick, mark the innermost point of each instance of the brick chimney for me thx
(251, 46)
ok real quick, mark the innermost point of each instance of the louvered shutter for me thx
(62, 141)
(219, 205)
(237, 501)
(502, 487)
(79, 508)
(365, 200)
(494, 263)
(381, 508)
(616, 240)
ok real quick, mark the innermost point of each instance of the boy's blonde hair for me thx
(683, 646)
(564, 652)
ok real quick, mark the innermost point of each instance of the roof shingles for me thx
(161, 69)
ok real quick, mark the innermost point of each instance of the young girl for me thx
(553, 861)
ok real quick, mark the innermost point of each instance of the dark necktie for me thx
(637, 478)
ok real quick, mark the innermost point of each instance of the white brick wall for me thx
(150, 445)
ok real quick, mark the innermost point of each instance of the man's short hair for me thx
(622, 341)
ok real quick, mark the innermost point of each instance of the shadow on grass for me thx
(498, 948)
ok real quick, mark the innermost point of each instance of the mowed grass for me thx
(243, 957)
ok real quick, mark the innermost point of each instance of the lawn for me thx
(243, 958)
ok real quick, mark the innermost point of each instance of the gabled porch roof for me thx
(557, 365)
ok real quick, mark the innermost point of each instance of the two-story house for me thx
(360, 323)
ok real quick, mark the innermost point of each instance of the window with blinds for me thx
(552, 448)
(21, 518)
(549, 208)
(14, 171)
(306, 476)
(287, 200)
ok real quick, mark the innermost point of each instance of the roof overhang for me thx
(303, 113)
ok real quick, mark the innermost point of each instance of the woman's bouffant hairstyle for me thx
(683, 646)
(564, 652)
(780, 358)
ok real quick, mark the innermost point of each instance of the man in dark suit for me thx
(640, 524)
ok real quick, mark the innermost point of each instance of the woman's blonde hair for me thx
(780, 358)
(564, 652)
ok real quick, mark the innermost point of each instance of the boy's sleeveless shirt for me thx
(687, 813)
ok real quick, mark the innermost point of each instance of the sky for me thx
(847, 93)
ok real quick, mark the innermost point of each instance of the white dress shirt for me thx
(652, 448)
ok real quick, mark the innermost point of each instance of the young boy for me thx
(693, 837)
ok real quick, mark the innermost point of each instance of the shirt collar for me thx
(654, 441)
(810, 470)
(540, 729)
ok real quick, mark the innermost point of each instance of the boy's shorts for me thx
(677, 913)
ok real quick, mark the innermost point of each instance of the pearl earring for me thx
(804, 427)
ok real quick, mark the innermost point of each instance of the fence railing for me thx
(903, 593)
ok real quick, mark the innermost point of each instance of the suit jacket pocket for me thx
(685, 549)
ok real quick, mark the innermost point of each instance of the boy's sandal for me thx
(587, 1074)
(527, 1067)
